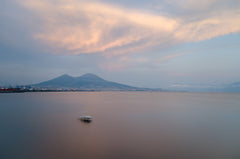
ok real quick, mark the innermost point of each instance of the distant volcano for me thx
(85, 82)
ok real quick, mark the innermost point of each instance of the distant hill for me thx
(85, 82)
(233, 87)
(228, 88)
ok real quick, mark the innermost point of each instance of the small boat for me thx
(86, 118)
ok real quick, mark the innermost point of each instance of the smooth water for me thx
(126, 125)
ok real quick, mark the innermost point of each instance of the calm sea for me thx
(126, 125)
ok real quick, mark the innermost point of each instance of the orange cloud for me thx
(89, 27)
(210, 27)
(77, 26)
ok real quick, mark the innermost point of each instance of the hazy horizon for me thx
(59, 82)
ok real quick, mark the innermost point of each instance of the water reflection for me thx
(126, 125)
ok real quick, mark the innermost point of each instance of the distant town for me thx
(21, 89)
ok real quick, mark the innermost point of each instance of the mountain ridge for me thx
(87, 81)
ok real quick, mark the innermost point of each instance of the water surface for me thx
(126, 125)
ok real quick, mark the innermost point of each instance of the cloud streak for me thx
(169, 57)
(76, 27)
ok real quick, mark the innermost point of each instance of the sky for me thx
(145, 43)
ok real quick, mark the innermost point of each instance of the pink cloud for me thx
(168, 57)
(79, 26)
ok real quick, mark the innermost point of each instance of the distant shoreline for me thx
(84, 90)
(81, 91)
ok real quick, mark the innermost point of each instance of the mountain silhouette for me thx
(85, 82)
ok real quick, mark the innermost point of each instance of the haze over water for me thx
(126, 125)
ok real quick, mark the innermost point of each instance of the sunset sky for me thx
(145, 43)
